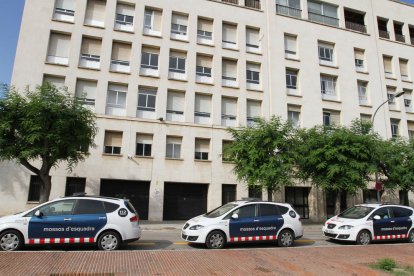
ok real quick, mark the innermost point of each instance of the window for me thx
(64, 10)
(86, 90)
(202, 148)
(395, 123)
(323, 13)
(326, 119)
(58, 50)
(229, 71)
(392, 104)
(204, 30)
(289, 7)
(328, 86)
(326, 52)
(410, 125)
(229, 32)
(266, 210)
(228, 193)
(404, 70)
(144, 145)
(291, 78)
(248, 211)
(252, 73)
(400, 212)
(112, 142)
(359, 59)
(59, 208)
(203, 66)
(202, 109)
(95, 13)
(362, 93)
(388, 66)
(175, 106)
(89, 206)
(179, 26)
(177, 62)
(331, 117)
(298, 198)
(56, 81)
(149, 58)
(290, 46)
(228, 111)
(124, 18)
(382, 28)
(146, 102)
(365, 117)
(34, 188)
(116, 100)
(294, 115)
(398, 31)
(152, 21)
(173, 147)
(404, 198)
(252, 39)
(225, 145)
(90, 53)
(254, 111)
(255, 192)
(75, 185)
(121, 54)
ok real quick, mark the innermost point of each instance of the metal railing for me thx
(412, 40)
(255, 4)
(316, 17)
(286, 10)
(356, 26)
(400, 37)
(384, 34)
(231, 1)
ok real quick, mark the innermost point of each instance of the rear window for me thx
(110, 207)
(130, 207)
(283, 209)
(88, 206)
(268, 210)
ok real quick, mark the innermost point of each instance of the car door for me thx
(383, 225)
(401, 222)
(89, 218)
(54, 220)
(243, 228)
(270, 221)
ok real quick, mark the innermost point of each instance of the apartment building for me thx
(166, 79)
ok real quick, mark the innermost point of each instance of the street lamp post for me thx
(399, 94)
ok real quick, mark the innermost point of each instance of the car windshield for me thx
(220, 210)
(356, 212)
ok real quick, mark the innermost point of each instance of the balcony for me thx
(286, 10)
(384, 34)
(356, 26)
(327, 20)
(255, 4)
(236, 2)
(400, 37)
(412, 40)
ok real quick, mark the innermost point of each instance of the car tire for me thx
(364, 238)
(411, 236)
(109, 240)
(285, 238)
(216, 240)
(11, 240)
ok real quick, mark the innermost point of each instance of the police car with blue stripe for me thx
(365, 223)
(81, 219)
(244, 221)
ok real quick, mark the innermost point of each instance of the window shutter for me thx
(202, 145)
(205, 25)
(56, 81)
(229, 68)
(403, 67)
(254, 109)
(253, 67)
(153, 50)
(96, 10)
(144, 138)
(387, 64)
(117, 87)
(179, 19)
(252, 36)
(121, 51)
(66, 4)
(125, 9)
(59, 45)
(178, 54)
(359, 54)
(86, 89)
(294, 108)
(175, 101)
(330, 10)
(204, 61)
(229, 33)
(290, 43)
(157, 20)
(229, 106)
(202, 103)
(113, 139)
(174, 140)
(91, 46)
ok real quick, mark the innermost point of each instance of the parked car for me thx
(106, 222)
(244, 221)
(365, 223)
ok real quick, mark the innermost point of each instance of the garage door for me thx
(183, 201)
(136, 191)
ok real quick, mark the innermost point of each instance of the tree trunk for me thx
(45, 187)
(269, 194)
(338, 203)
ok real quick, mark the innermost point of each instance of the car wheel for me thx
(11, 240)
(216, 240)
(109, 241)
(411, 236)
(285, 238)
(363, 238)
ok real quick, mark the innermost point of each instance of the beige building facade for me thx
(167, 78)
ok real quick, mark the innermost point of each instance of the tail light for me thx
(134, 219)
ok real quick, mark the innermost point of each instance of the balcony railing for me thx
(286, 10)
(316, 17)
(231, 1)
(356, 26)
(400, 37)
(384, 34)
(255, 4)
(412, 40)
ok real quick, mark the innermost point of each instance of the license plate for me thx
(329, 231)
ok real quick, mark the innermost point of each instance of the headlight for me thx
(345, 227)
(196, 227)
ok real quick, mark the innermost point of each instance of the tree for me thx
(336, 158)
(262, 154)
(46, 126)
(397, 164)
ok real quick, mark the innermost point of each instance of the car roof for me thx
(377, 205)
(91, 197)
(254, 201)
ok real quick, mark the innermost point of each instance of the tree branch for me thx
(25, 163)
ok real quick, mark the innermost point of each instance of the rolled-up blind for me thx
(175, 101)
(65, 4)
(91, 46)
(113, 139)
(96, 10)
(204, 61)
(202, 103)
(229, 68)
(59, 45)
(254, 108)
(205, 25)
(229, 106)
(125, 9)
(230, 33)
(121, 51)
(86, 89)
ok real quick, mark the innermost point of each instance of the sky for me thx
(10, 17)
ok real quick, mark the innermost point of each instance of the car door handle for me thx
(67, 219)
(102, 217)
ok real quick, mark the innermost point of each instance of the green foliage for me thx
(337, 158)
(262, 154)
(387, 264)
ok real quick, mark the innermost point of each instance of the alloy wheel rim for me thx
(364, 238)
(216, 241)
(109, 242)
(412, 236)
(286, 239)
(9, 242)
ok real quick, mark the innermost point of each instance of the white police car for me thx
(367, 222)
(106, 222)
(243, 221)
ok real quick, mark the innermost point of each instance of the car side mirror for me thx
(377, 217)
(38, 214)
(235, 216)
